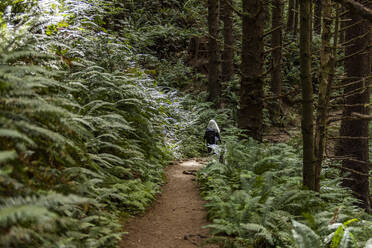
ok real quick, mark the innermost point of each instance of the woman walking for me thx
(212, 135)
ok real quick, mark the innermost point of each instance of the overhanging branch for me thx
(362, 10)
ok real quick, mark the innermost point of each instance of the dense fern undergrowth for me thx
(85, 131)
(255, 199)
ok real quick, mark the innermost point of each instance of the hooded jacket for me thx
(212, 133)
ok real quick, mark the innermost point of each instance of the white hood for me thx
(213, 125)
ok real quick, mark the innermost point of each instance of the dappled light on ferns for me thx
(91, 132)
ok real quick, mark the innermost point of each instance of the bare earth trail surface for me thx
(175, 219)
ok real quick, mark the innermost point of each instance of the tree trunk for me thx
(251, 92)
(295, 25)
(228, 50)
(276, 61)
(318, 16)
(342, 25)
(214, 87)
(307, 94)
(355, 143)
(327, 70)
(290, 16)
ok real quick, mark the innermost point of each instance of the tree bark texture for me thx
(228, 50)
(251, 92)
(214, 87)
(342, 25)
(327, 68)
(276, 61)
(307, 94)
(356, 67)
(290, 15)
(318, 16)
(296, 19)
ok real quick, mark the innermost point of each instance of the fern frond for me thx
(23, 214)
(346, 240)
(79, 171)
(46, 133)
(5, 156)
(260, 231)
(304, 236)
(35, 106)
(14, 134)
(369, 243)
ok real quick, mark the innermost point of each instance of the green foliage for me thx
(369, 243)
(37, 219)
(162, 28)
(256, 199)
(342, 237)
(82, 130)
(305, 236)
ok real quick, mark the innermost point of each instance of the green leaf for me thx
(336, 240)
(346, 223)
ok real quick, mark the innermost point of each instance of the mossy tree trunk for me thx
(354, 132)
(214, 88)
(296, 17)
(327, 69)
(318, 16)
(276, 61)
(290, 15)
(228, 49)
(251, 92)
(227, 70)
(307, 94)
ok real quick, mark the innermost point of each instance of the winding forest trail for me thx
(175, 219)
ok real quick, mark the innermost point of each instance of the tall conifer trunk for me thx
(327, 69)
(318, 16)
(228, 50)
(307, 94)
(296, 17)
(276, 44)
(290, 15)
(214, 87)
(251, 92)
(354, 144)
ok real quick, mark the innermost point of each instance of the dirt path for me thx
(176, 218)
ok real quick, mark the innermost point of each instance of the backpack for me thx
(210, 136)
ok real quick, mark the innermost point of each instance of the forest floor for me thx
(176, 218)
